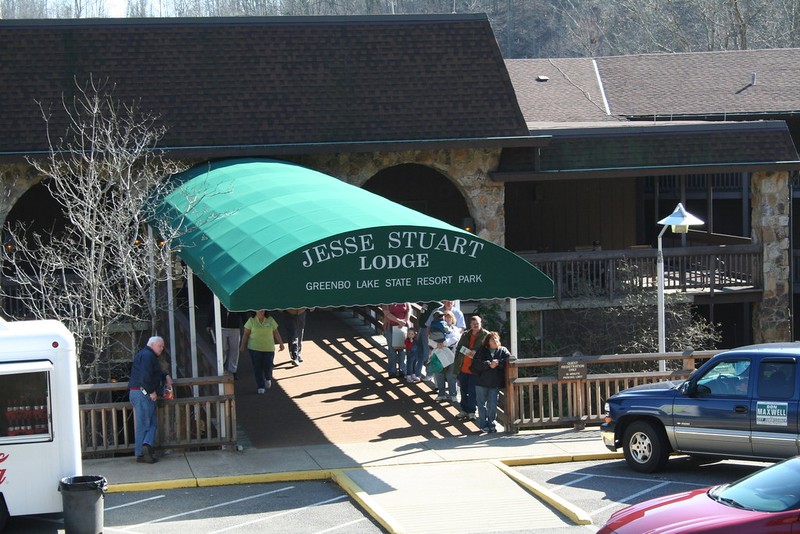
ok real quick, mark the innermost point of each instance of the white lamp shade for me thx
(680, 220)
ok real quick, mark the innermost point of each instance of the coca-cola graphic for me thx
(3, 457)
(27, 416)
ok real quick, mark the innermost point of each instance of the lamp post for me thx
(680, 220)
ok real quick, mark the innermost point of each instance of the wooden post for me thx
(512, 373)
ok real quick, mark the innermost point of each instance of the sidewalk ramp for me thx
(457, 497)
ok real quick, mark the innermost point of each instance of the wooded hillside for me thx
(524, 28)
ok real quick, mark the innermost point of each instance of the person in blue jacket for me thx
(489, 366)
(145, 381)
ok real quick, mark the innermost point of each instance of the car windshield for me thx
(773, 489)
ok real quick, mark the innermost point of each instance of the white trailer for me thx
(39, 433)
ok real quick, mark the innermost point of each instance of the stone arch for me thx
(38, 210)
(15, 182)
(423, 189)
(466, 169)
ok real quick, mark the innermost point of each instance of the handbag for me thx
(398, 336)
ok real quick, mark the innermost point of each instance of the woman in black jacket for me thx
(489, 367)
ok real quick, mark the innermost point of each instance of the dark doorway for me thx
(422, 189)
(38, 210)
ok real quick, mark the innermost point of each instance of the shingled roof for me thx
(586, 106)
(558, 90)
(663, 86)
(268, 84)
(703, 83)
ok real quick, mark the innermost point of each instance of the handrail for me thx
(547, 401)
(534, 397)
(373, 315)
(187, 422)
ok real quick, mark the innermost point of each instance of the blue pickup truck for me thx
(742, 403)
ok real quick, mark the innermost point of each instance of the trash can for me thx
(83, 499)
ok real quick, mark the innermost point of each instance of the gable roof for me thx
(571, 91)
(663, 86)
(641, 115)
(265, 84)
(704, 83)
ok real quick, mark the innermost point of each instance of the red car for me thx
(768, 501)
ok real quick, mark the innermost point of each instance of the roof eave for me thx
(634, 172)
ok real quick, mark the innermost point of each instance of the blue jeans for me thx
(295, 325)
(466, 382)
(145, 420)
(414, 362)
(487, 405)
(426, 349)
(396, 357)
(446, 376)
(263, 362)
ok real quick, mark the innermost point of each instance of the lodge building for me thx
(568, 162)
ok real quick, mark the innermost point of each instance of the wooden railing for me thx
(608, 274)
(187, 422)
(534, 397)
(373, 316)
(545, 401)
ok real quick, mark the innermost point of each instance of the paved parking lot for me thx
(293, 507)
(601, 488)
(598, 487)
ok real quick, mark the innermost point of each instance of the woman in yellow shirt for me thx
(260, 334)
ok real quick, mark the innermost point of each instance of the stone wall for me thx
(771, 203)
(468, 170)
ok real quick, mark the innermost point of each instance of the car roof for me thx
(788, 348)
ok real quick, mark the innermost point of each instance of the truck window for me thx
(728, 378)
(776, 379)
(25, 407)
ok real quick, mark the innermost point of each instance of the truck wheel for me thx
(645, 447)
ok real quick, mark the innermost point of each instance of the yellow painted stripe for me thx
(153, 486)
(265, 478)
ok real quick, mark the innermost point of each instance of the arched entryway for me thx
(422, 189)
(38, 211)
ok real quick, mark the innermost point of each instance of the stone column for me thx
(771, 204)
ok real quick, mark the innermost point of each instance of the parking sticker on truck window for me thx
(772, 413)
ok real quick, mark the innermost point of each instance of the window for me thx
(776, 379)
(728, 378)
(25, 410)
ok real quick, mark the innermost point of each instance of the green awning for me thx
(270, 234)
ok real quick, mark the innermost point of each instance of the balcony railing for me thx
(610, 273)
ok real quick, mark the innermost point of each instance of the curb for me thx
(374, 510)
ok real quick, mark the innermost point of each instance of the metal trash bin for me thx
(83, 500)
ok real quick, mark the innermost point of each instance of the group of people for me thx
(470, 360)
